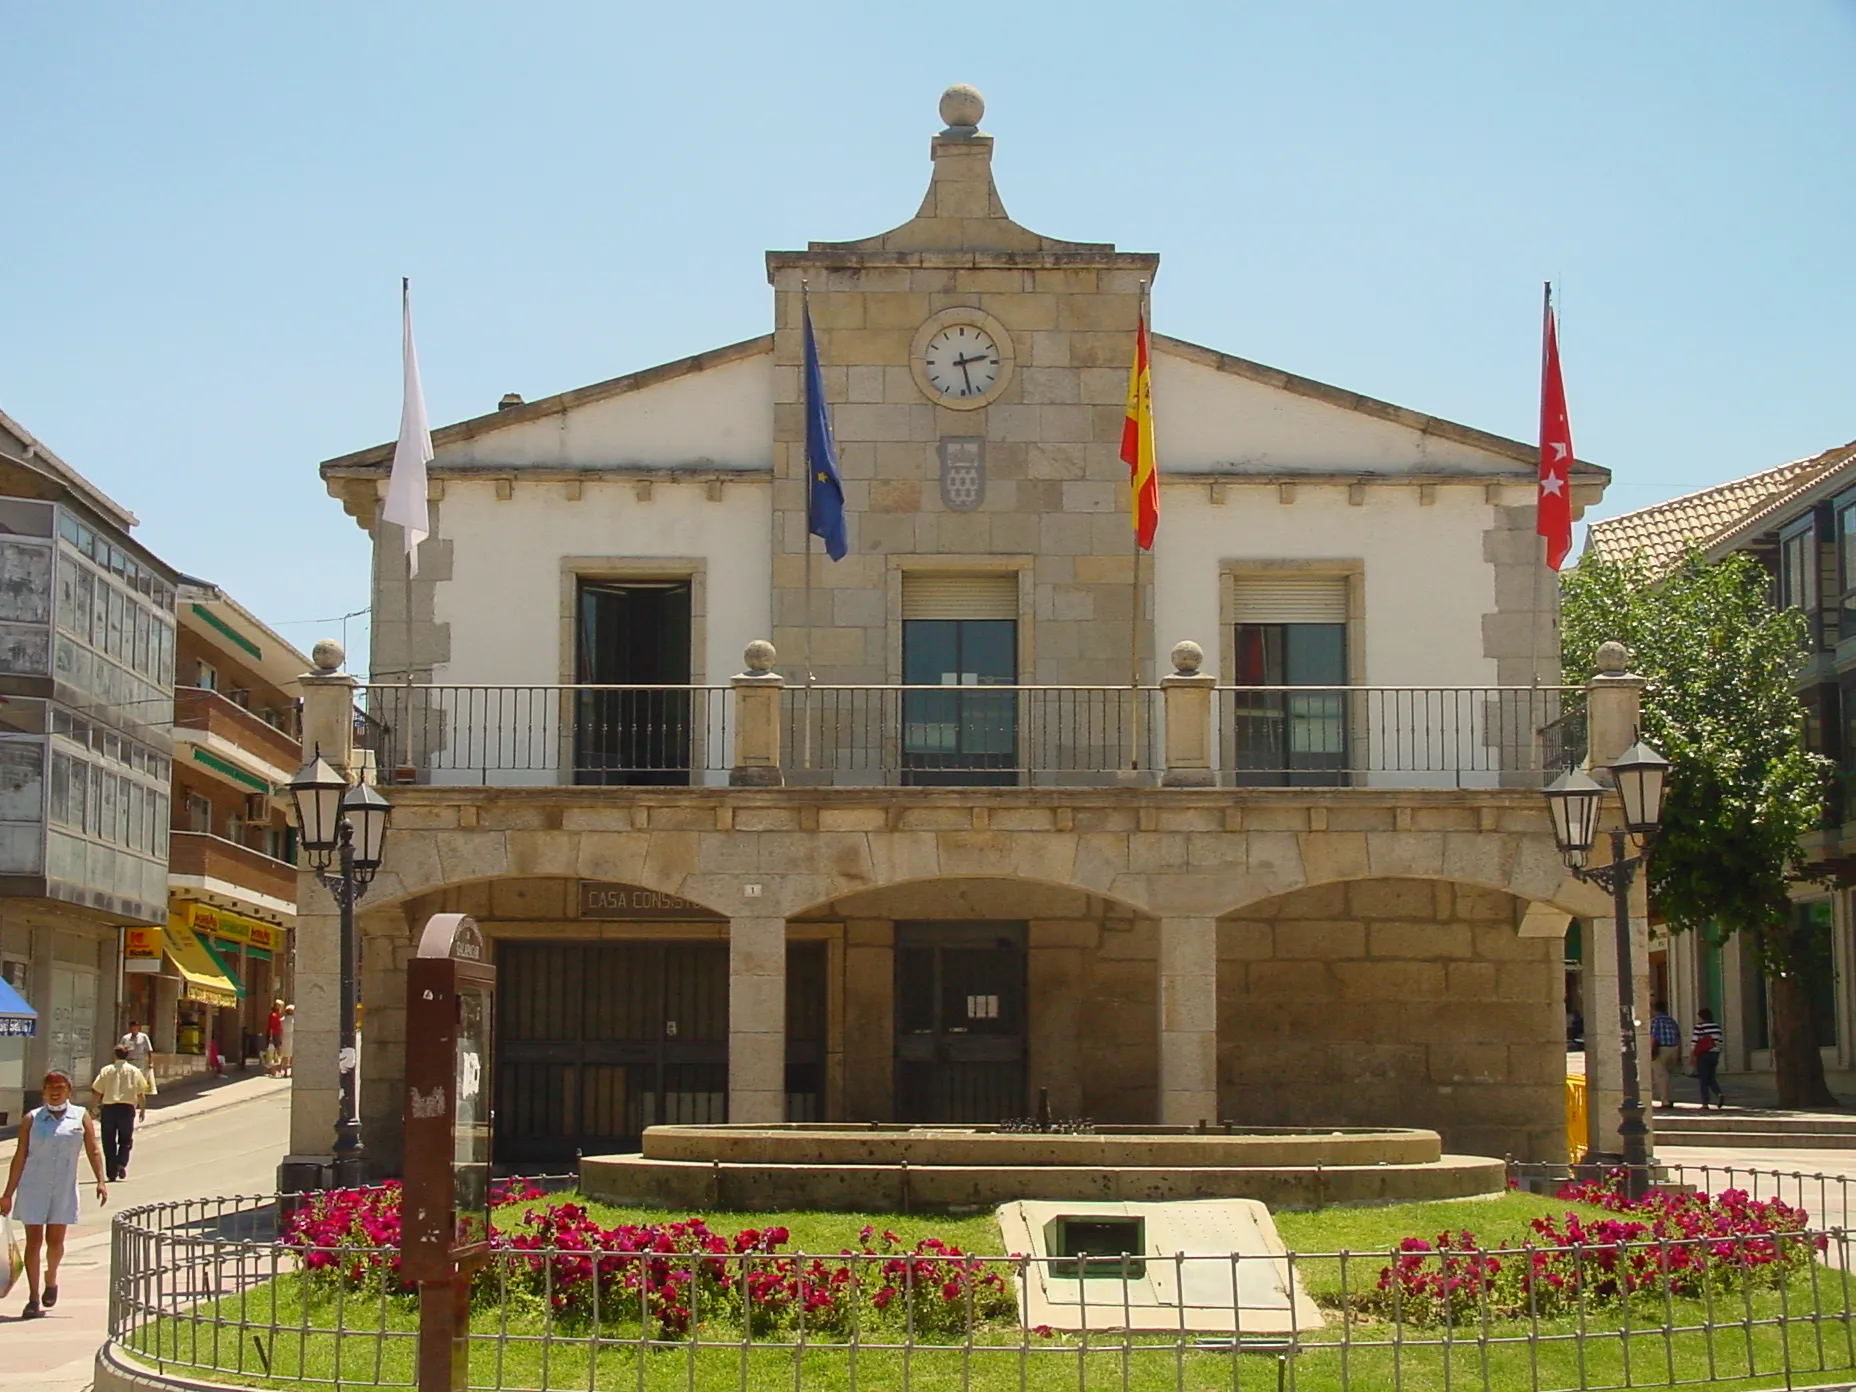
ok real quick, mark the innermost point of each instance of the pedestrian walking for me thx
(287, 1048)
(1709, 1041)
(142, 1054)
(1665, 1049)
(41, 1186)
(118, 1088)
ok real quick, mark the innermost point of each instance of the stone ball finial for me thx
(759, 655)
(962, 107)
(1188, 657)
(1613, 659)
(327, 655)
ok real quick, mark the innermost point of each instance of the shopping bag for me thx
(13, 1243)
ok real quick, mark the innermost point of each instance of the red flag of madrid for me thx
(1554, 503)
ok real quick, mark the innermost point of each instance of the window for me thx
(1798, 571)
(959, 630)
(1846, 554)
(1291, 631)
(206, 677)
(199, 814)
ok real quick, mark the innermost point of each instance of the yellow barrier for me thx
(1576, 1119)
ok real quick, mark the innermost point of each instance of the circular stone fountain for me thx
(884, 1168)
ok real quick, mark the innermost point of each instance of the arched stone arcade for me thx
(1135, 915)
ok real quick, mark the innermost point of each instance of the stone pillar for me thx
(1614, 703)
(1188, 721)
(757, 1020)
(1188, 1021)
(869, 1020)
(315, 1087)
(1059, 1022)
(757, 720)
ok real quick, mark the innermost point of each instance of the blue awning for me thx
(16, 1017)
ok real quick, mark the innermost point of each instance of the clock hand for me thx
(961, 363)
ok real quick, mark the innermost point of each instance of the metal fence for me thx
(205, 1289)
(966, 736)
(1395, 736)
(527, 735)
(969, 735)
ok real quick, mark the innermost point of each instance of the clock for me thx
(962, 358)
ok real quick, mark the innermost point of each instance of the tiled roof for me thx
(1663, 532)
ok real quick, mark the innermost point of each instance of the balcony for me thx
(976, 736)
(232, 743)
(226, 873)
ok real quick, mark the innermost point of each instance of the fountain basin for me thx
(890, 1168)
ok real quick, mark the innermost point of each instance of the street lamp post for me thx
(1574, 800)
(345, 827)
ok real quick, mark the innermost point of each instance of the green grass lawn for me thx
(293, 1333)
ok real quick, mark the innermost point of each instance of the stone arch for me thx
(1395, 1000)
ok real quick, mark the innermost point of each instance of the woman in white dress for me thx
(41, 1187)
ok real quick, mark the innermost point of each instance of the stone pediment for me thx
(961, 215)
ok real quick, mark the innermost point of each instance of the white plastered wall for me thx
(1426, 583)
(721, 417)
(1208, 419)
(504, 606)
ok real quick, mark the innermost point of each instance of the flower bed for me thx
(663, 1273)
(1664, 1245)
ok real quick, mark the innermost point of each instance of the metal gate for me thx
(960, 1021)
(598, 1040)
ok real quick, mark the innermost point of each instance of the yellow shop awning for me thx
(203, 980)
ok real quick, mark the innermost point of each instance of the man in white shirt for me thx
(118, 1089)
(142, 1054)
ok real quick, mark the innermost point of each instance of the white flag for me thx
(406, 485)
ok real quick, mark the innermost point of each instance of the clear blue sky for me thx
(209, 206)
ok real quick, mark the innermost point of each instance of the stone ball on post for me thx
(1613, 659)
(327, 655)
(961, 108)
(760, 657)
(1187, 657)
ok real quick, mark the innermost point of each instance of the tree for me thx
(1721, 705)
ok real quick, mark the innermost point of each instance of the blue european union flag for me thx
(825, 493)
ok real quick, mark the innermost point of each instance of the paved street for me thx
(226, 1141)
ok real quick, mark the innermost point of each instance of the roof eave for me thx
(1469, 435)
(376, 456)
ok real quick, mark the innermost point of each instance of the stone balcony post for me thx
(1613, 708)
(757, 720)
(328, 707)
(1188, 696)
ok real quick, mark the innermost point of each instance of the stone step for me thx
(1685, 1124)
(1760, 1140)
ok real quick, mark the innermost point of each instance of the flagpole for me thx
(406, 612)
(805, 302)
(1546, 316)
(1134, 579)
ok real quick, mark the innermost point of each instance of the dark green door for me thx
(633, 635)
(965, 735)
(960, 1022)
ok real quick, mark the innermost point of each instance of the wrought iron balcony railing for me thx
(968, 736)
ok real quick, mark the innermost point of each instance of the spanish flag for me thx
(1137, 444)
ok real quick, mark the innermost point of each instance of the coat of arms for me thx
(963, 473)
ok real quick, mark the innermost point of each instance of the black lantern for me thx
(366, 811)
(1640, 774)
(317, 792)
(1573, 800)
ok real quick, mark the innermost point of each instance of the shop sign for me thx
(141, 950)
(602, 900)
(231, 927)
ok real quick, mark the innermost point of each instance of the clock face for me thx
(961, 362)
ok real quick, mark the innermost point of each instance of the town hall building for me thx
(1245, 829)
